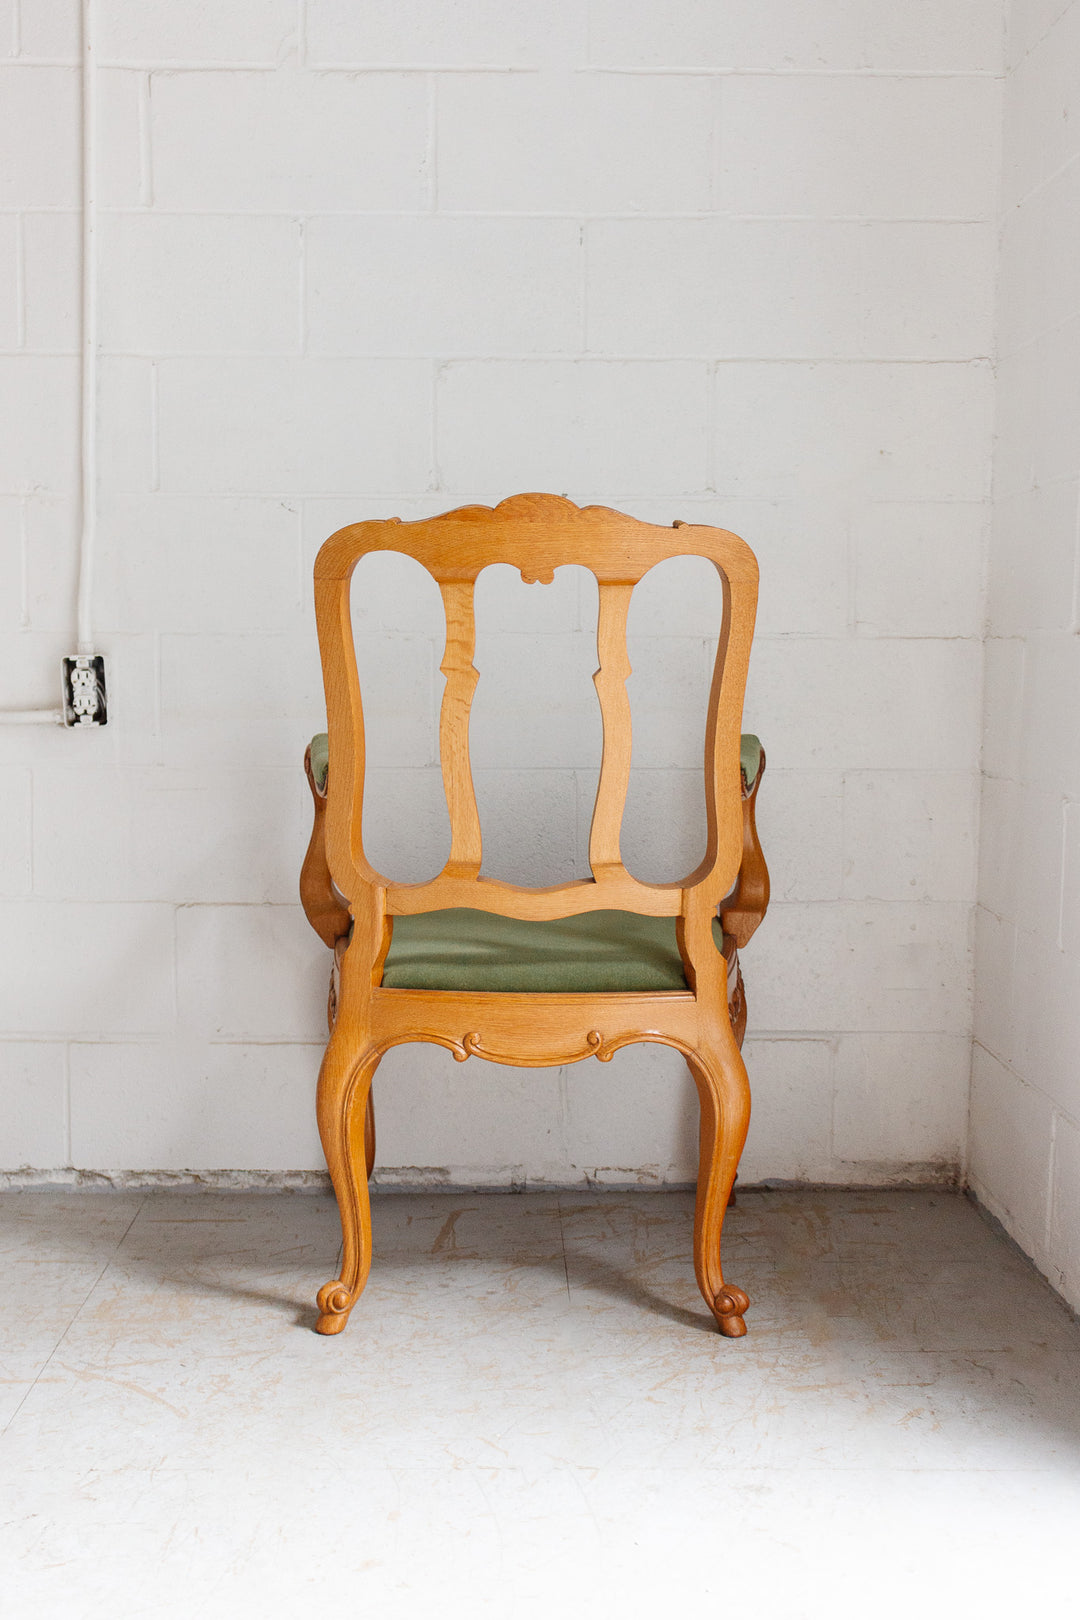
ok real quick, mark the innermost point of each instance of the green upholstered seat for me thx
(599, 951)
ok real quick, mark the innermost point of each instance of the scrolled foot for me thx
(335, 1302)
(728, 1308)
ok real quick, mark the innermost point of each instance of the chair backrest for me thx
(536, 534)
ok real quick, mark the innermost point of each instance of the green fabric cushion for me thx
(750, 752)
(320, 759)
(462, 949)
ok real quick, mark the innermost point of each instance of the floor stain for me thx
(447, 1238)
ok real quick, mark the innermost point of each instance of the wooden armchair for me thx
(545, 976)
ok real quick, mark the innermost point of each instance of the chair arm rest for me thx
(742, 910)
(320, 759)
(751, 759)
(323, 906)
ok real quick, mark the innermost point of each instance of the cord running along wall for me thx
(82, 672)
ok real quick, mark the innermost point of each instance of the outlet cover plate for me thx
(84, 691)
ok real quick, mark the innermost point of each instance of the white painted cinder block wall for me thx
(1025, 1117)
(726, 263)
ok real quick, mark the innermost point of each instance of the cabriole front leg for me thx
(342, 1106)
(724, 1095)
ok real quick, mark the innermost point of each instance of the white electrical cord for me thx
(89, 333)
(48, 717)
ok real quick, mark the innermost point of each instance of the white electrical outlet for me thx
(84, 690)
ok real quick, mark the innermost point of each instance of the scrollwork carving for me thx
(728, 1308)
(607, 1049)
(335, 1301)
(737, 1000)
(472, 1046)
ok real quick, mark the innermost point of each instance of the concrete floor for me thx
(531, 1412)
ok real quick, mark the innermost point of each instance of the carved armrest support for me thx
(743, 909)
(323, 905)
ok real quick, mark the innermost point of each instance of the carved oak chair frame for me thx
(352, 906)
